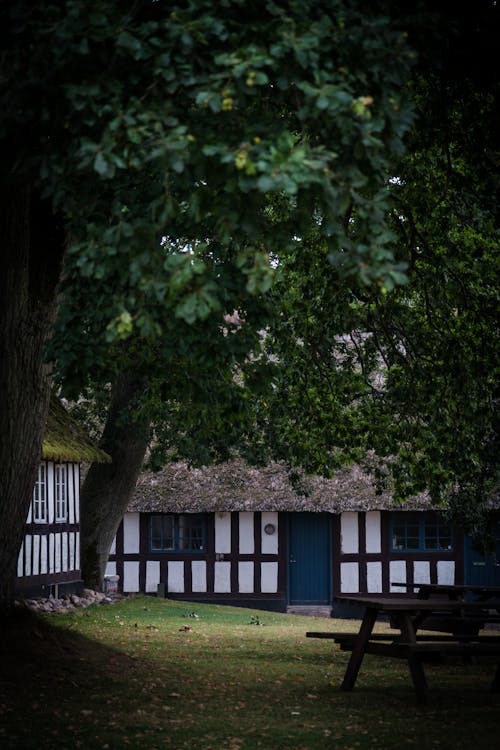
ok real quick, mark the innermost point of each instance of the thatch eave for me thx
(65, 440)
(236, 486)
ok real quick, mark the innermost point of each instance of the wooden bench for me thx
(416, 654)
(426, 648)
(461, 625)
(346, 639)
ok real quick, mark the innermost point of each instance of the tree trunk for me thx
(107, 488)
(32, 251)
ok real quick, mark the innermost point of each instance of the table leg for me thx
(358, 650)
(495, 685)
(408, 626)
(418, 676)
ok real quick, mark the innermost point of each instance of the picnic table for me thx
(408, 616)
(452, 591)
(470, 622)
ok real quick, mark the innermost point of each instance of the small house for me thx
(49, 559)
(243, 535)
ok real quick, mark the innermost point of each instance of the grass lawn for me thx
(153, 673)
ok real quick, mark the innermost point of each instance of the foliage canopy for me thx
(183, 149)
(150, 123)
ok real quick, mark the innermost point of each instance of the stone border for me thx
(69, 601)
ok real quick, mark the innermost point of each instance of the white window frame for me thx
(40, 496)
(61, 492)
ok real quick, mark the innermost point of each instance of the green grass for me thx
(146, 673)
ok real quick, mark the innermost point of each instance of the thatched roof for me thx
(65, 440)
(236, 486)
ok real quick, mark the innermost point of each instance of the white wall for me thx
(349, 577)
(349, 533)
(110, 569)
(222, 533)
(246, 577)
(421, 571)
(247, 541)
(222, 578)
(269, 541)
(131, 537)
(131, 577)
(446, 572)
(397, 574)
(374, 577)
(152, 576)
(176, 576)
(373, 532)
(199, 575)
(269, 577)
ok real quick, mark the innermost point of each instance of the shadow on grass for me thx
(56, 683)
(34, 649)
(182, 690)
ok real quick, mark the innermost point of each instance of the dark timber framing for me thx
(253, 556)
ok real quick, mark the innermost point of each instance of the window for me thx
(61, 493)
(40, 496)
(177, 533)
(420, 532)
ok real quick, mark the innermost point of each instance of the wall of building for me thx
(50, 553)
(240, 560)
(243, 563)
(365, 563)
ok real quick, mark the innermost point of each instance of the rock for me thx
(69, 601)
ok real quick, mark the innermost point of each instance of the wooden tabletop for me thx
(407, 603)
(447, 588)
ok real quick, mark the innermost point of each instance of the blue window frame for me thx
(183, 532)
(420, 532)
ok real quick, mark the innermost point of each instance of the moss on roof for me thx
(65, 440)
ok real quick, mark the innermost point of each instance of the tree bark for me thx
(107, 488)
(32, 250)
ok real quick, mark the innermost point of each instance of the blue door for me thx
(482, 570)
(309, 558)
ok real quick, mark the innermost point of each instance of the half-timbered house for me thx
(49, 559)
(242, 535)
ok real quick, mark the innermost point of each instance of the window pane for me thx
(412, 542)
(184, 532)
(191, 535)
(61, 504)
(431, 542)
(168, 532)
(156, 535)
(399, 537)
(445, 541)
(40, 496)
(405, 531)
(162, 533)
(438, 536)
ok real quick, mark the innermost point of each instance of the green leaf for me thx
(101, 166)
